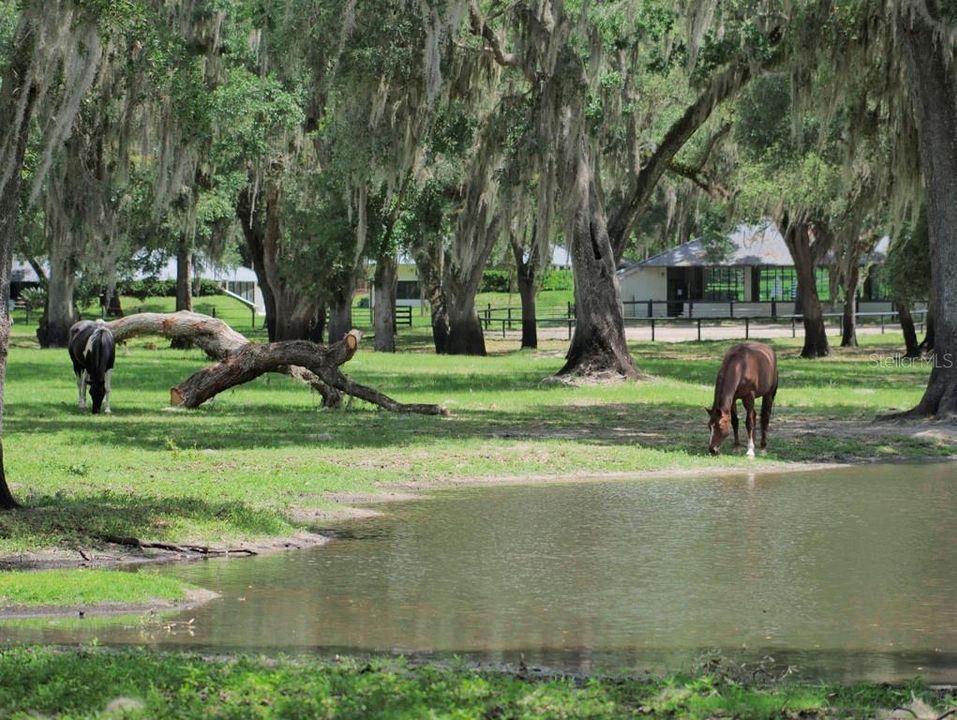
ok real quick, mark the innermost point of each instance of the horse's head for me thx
(719, 425)
(97, 393)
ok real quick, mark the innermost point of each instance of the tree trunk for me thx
(931, 79)
(318, 329)
(254, 231)
(849, 325)
(526, 291)
(927, 344)
(184, 287)
(911, 348)
(525, 270)
(440, 324)
(289, 314)
(340, 313)
(7, 501)
(17, 100)
(383, 311)
(110, 302)
(807, 247)
(430, 261)
(598, 345)
(465, 330)
(460, 286)
(54, 329)
(184, 276)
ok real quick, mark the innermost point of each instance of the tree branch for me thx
(721, 87)
(492, 44)
(714, 188)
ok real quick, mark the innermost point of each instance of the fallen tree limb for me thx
(185, 549)
(254, 359)
(363, 392)
(214, 337)
(241, 361)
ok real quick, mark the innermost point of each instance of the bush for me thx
(496, 281)
(558, 280)
(151, 287)
(33, 298)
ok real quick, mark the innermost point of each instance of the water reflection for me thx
(849, 574)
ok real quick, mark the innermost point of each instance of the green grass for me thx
(257, 460)
(86, 587)
(137, 684)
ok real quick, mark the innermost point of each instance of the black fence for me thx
(505, 319)
(718, 309)
(402, 315)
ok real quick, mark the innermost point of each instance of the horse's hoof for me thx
(751, 453)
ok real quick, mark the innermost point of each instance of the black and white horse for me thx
(92, 351)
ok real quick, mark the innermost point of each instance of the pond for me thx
(847, 574)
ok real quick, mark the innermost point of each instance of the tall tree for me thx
(50, 40)
(545, 43)
(926, 31)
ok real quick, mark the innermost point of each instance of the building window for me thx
(722, 284)
(780, 283)
(777, 283)
(824, 284)
(874, 288)
(407, 290)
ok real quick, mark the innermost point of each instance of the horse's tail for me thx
(99, 355)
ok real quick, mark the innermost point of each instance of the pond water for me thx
(848, 574)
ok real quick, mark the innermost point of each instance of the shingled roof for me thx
(749, 245)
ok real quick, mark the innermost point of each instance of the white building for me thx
(752, 276)
(239, 281)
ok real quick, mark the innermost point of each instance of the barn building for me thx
(751, 275)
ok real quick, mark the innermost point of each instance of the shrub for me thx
(496, 281)
(558, 280)
(33, 298)
(151, 287)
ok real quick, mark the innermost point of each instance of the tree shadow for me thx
(84, 521)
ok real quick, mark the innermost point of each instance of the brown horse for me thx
(748, 371)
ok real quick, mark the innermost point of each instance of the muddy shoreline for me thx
(193, 598)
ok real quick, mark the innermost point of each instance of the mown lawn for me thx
(259, 459)
(86, 587)
(137, 684)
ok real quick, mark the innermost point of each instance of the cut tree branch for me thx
(217, 339)
(242, 360)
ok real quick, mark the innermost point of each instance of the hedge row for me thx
(165, 288)
(503, 281)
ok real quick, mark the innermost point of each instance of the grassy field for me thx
(264, 459)
(86, 587)
(136, 684)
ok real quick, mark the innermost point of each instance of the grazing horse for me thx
(748, 371)
(92, 351)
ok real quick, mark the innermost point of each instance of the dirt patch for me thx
(113, 556)
(194, 598)
(773, 468)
